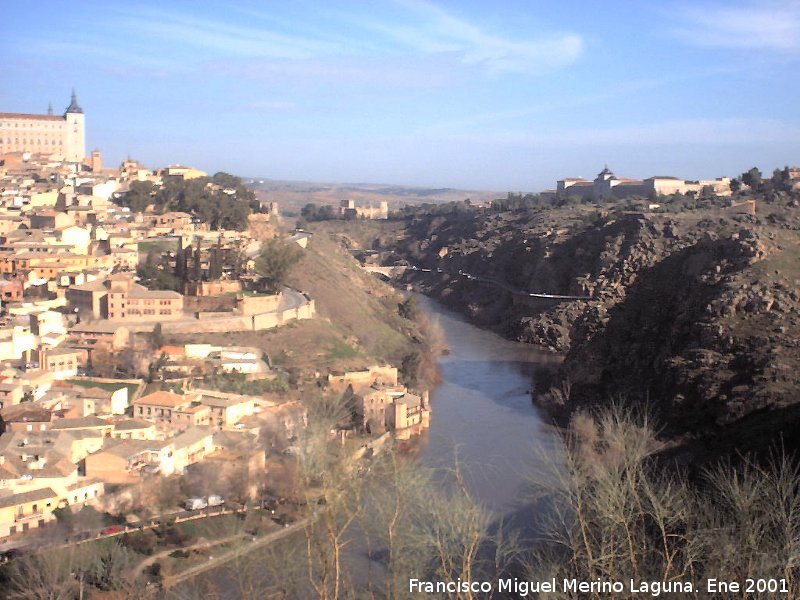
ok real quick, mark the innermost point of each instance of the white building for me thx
(52, 135)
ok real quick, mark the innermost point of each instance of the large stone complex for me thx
(51, 135)
(607, 185)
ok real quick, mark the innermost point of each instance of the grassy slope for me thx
(357, 323)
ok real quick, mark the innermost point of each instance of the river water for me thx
(483, 414)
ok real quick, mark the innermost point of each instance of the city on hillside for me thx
(101, 267)
(417, 299)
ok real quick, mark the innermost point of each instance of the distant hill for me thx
(293, 195)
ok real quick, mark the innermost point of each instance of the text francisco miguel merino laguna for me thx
(523, 588)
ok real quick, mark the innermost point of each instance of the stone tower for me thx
(75, 138)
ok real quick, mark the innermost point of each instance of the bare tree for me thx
(613, 513)
(49, 575)
(70, 573)
(322, 464)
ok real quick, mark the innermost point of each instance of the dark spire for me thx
(50, 109)
(73, 105)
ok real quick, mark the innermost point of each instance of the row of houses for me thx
(52, 459)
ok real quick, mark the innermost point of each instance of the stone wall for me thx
(196, 304)
(255, 305)
(385, 374)
(213, 288)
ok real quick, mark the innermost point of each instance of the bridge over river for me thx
(397, 271)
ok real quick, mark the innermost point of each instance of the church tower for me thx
(75, 138)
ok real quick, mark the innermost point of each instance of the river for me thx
(482, 412)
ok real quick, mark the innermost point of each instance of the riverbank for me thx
(692, 313)
(483, 421)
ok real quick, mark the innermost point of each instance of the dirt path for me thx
(198, 546)
(236, 552)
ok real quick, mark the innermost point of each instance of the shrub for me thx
(143, 542)
(614, 514)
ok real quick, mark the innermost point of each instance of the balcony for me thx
(34, 516)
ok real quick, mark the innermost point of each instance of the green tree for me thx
(275, 262)
(153, 275)
(226, 180)
(312, 212)
(139, 196)
(409, 368)
(225, 205)
(781, 180)
(215, 261)
(197, 275)
(409, 308)
(180, 265)
(752, 178)
(157, 336)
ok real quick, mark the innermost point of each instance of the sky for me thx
(506, 96)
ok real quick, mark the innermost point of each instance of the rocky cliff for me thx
(695, 313)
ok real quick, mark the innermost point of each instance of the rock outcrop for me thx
(695, 314)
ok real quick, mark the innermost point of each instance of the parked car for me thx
(112, 529)
(195, 504)
(214, 500)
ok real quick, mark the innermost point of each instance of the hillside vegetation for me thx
(357, 324)
(693, 312)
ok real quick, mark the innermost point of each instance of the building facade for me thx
(118, 297)
(52, 135)
(174, 411)
(607, 185)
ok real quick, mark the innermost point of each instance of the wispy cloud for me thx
(429, 29)
(217, 36)
(392, 72)
(408, 31)
(761, 25)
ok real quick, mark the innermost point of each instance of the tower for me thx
(75, 135)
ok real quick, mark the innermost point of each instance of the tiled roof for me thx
(96, 327)
(142, 293)
(24, 497)
(162, 398)
(129, 448)
(79, 423)
(131, 424)
(31, 116)
(190, 436)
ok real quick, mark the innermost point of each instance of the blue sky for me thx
(504, 95)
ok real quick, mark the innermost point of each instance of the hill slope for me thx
(694, 313)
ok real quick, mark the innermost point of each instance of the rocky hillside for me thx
(694, 313)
